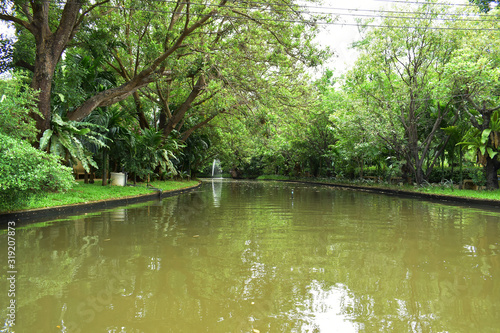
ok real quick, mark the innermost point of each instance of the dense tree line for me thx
(163, 87)
(413, 88)
(128, 85)
(423, 94)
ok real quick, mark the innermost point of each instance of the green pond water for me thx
(248, 257)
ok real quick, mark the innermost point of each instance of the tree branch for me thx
(163, 99)
(143, 78)
(18, 21)
(91, 8)
(175, 17)
(207, 98)
(26, 11)
(185, 135)
(109, 97)
(187, 16)
(136, 66)
(25, 65)
(270, 31)
(185, 106)
(178, 43)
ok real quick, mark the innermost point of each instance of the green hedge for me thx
(438, 174)
(26, 171)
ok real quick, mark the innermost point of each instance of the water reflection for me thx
(216, 190)
(118, 215)
(235, 257)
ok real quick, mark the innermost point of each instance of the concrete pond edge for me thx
(52, 213)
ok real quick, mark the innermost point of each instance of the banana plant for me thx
(66, 140)
(148, 150)
(160, 152)
(478, 142)
(494, 133)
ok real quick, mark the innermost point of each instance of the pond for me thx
(243, 256)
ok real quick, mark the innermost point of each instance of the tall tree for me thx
(51, 37)
(473, 76)
(154, 38)
(228, 65)
(393, 76)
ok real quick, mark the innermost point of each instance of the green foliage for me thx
(114, 128)
(244, 64)
(66, 140)
(79, 77)
(252, 168)
(475, 143)
(479, 177)
(357, 144)
(485, 143)
(23, 51)
(453, 174)
(484, 5)
(84, 193)
(273, 177)
(195, 153)
(17, 101)
(391, 84)
(148, 150)
(26, 171)
(472, 75)
(455, 134)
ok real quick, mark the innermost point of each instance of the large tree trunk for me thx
(414, 149)
(419, 174)
(42, 81)
(491, 168)
(410, 125)
(143, 122)
(49, 48)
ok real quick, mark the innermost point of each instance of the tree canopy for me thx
(161, 88)
(194, 47)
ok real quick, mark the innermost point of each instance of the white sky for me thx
(4, 29)
(340, 37)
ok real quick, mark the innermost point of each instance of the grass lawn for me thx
(433, 189)
(476, 194)
(84, 193)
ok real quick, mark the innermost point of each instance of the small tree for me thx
(17, 100)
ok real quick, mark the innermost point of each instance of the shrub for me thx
(439, 174)
(252, 168)
(26, 171)
(17, 101)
